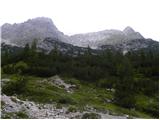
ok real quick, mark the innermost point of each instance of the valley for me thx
(99, 75)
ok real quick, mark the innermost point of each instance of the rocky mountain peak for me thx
(37, 28)
(43, 21)
(128, 29)
(131, 34)
(42, 27)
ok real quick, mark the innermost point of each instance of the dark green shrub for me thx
(91, 116)
(72, 109)
(21, 67)
(15, 86)
(105, 83)
(2, 104)
(9, 69)
(21, 115)
(58, 106)
(66, 100)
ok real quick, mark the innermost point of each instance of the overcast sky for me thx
(80, 16)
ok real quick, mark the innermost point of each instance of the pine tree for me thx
(124, 94)
(26, 52)
(34, 45)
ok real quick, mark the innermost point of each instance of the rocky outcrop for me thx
(33, 29)
(133, 45)
(49, 44)
(106, 37)
(58, 82)
(131, 34)
(33, 110)
(12, 106)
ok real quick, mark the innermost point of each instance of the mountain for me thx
(133, 45)
(106, 37)
(39, 85)
(49, 44)
(33, 29)
(47, 35)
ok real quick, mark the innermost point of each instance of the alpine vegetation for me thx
(100, 75)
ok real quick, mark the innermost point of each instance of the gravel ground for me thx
(42, 111)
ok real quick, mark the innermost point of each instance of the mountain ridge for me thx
(41, 28)
(37, 28)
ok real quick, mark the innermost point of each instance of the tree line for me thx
(136, 72)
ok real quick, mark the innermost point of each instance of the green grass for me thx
(8, 116)
(2, 104)
(21, 115)
(72, 108)
(148, 105)
(15, 115)
(86, 94)
(119, 111)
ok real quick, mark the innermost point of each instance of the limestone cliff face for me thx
(22, 33)
(106, 37)
(47, 34)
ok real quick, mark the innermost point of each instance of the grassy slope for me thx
(86, 94)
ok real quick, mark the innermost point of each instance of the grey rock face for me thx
(133, 45)
(131, 34)
(106, 37)
(49, 44)
(58, 82)
(47, 35)
(38, 28)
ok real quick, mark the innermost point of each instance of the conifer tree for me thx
(124, 94)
